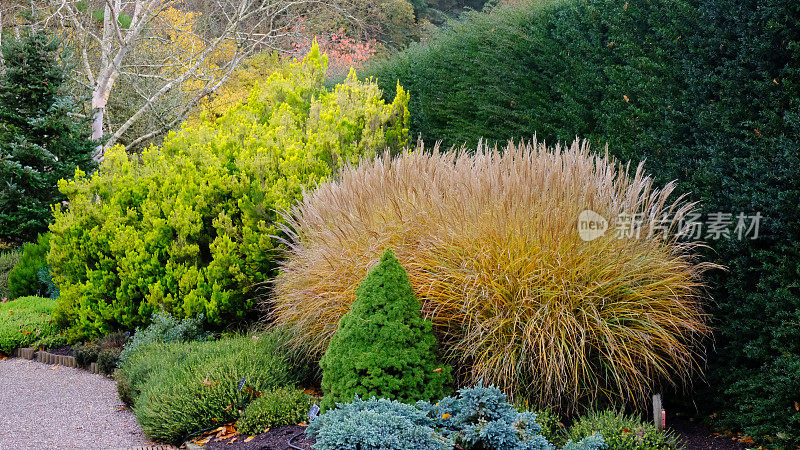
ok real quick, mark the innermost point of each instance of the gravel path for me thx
(55, 407)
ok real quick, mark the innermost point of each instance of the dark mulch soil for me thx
(274, 439)
(696, 436)
(693, 434)
(64, 350)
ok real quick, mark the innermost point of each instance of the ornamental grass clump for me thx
(491, 245)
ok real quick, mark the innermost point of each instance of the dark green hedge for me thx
(708, 92)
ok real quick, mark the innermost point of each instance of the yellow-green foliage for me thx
(491, 247)
(190, 226)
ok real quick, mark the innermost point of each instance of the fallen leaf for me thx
(251, 438)
(438, 370)
(227, 432)
(206, 382)
(54, 367)
(796, 406)
(266, 430)
(626, 98)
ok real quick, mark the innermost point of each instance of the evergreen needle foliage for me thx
(383, 347)
(491, 247)
(41, 140)
(24, 280)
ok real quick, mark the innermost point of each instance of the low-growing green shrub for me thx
(116, 340)
(24, 279)
(552, 428)
(8, 259)
(166, 329)
(104, 351)
(26, 322)
(277, 407)
(383, 347)
(85, 353)
(622, 432)
(181, 388)
(48, 287)
(107, 360)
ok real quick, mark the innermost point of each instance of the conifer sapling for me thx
(383, 347)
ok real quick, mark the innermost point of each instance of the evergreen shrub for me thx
(278, 407)
(25, 280)
(383, 348)
(190, 227)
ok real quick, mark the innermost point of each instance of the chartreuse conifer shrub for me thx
(189, 227)
(383, 347)
(492, 248)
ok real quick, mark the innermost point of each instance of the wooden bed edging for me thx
(49, 358)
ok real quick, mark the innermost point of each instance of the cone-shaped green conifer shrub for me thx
(383, 347)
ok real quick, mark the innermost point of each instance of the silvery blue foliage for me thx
(591, 442)
(482, 418)
(477, 418)
(375, 424)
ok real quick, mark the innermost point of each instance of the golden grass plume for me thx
(490, 243)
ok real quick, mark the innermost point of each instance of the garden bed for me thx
(695, 436)
(274, 439)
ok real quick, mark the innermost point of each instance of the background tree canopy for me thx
(42, 136)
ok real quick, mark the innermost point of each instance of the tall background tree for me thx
(43, 136)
